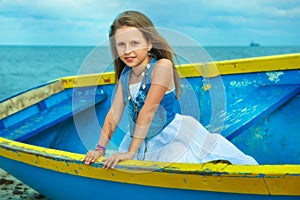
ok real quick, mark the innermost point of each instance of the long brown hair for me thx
(160, 47)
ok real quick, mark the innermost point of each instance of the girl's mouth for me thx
(129, 59)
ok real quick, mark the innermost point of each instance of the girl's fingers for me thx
(90, 157)
(116, 161)
(88, 160)
(111, 161)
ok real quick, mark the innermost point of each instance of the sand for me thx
(13, 189)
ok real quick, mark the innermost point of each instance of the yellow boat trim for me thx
(262, 179)
(258, 64)
(88, 80)
(212, 69)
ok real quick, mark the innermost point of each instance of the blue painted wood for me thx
(57, 186)
(56, 112)
(20, 116)
(2, 126)
(42, 105)
(79, 132)
(256, 105)
(274, 139)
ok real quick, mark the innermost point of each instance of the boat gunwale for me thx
(190, 168)
(253, 179)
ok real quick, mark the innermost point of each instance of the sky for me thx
(208, 22)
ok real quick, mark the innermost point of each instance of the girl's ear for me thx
(149, 45)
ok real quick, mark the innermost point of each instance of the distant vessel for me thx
(254, 44)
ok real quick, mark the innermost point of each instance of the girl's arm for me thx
(110, 124)
(162, 80)
(113, 117)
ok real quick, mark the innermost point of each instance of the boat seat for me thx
(245, 112)
(49, 112)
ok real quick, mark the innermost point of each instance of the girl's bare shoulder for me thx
(163, 70)
(164, 61)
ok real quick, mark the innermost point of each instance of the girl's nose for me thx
(127, 49)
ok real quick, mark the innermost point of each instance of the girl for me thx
(148, 85)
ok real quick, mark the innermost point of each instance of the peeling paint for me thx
(240, 84)
(274, 76)
(244, 110)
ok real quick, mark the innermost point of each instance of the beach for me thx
(13, 189)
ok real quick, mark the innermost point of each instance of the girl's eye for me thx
(134, 43)
(121, 44)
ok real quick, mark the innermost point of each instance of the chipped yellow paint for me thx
(262, 179)
(240, 66)
(89, 80)
(29, 98)
(285, 184)
(212, 69)
(260, 64)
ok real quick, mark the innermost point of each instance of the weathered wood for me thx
(29, 98)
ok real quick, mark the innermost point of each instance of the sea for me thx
(23, 67)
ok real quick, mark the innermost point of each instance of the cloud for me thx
(54, 9)
(53, 21)
(87, 21)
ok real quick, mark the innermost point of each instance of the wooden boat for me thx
(46, 131)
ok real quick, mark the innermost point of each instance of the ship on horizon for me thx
(254, 44)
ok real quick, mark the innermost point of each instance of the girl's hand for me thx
(92, 156)
(112, 161)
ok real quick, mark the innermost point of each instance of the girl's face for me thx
(132, 46)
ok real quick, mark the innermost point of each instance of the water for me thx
(22, 67)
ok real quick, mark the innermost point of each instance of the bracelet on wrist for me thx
(100, 147)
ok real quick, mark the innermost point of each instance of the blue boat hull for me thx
(57, 185)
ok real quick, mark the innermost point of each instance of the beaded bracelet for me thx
(99, 147)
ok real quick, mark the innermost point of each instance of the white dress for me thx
(186, 140)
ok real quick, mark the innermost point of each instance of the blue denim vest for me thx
(164, 114)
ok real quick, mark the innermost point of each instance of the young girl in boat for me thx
(148, 86)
